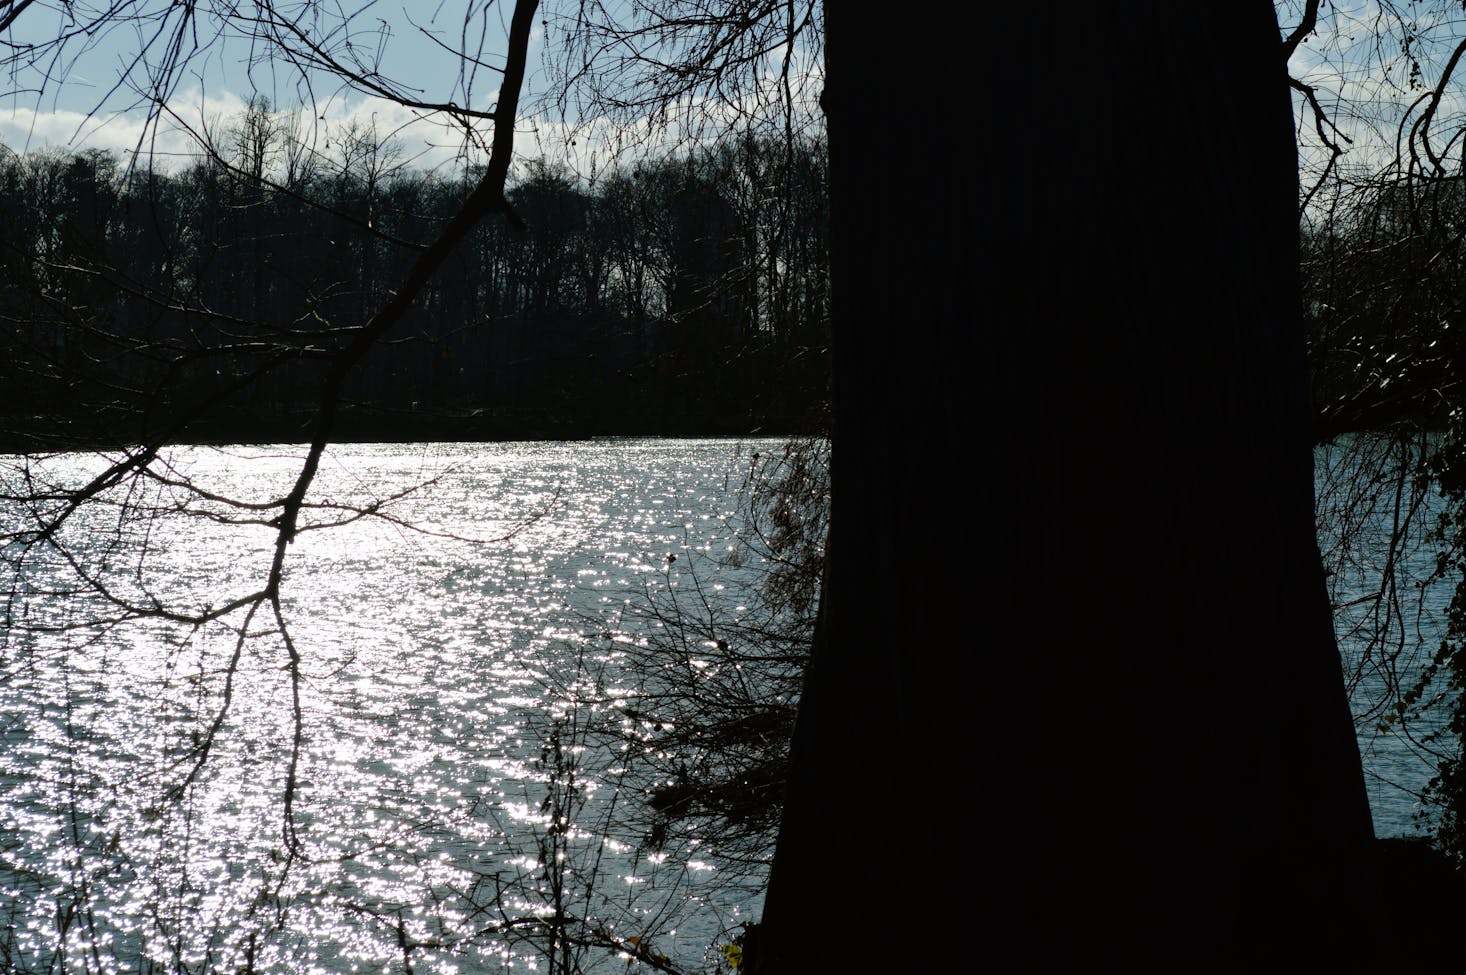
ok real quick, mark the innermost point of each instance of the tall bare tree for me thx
(1115, 699)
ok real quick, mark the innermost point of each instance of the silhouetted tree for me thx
(1108, 684)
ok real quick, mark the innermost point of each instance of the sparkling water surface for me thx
(197, 798)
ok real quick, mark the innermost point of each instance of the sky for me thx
(1372, 63)
(88, 94)
(1356, 62)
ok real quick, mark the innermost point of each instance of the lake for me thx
(408, 783)
(1389, 613)
(437, 644)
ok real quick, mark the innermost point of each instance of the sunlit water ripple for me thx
(427, 664)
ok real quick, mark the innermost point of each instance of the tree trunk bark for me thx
(1075, 691)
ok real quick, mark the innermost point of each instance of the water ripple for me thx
(145, 822)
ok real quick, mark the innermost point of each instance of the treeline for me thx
(686, 295)
(1384, 302)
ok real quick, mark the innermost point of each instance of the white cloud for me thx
(173, 140)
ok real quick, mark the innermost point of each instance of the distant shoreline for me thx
(39, 436)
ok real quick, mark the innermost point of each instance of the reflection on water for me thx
(407, 796)
(190, 798)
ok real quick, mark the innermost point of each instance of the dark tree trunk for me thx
(1075, 691)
